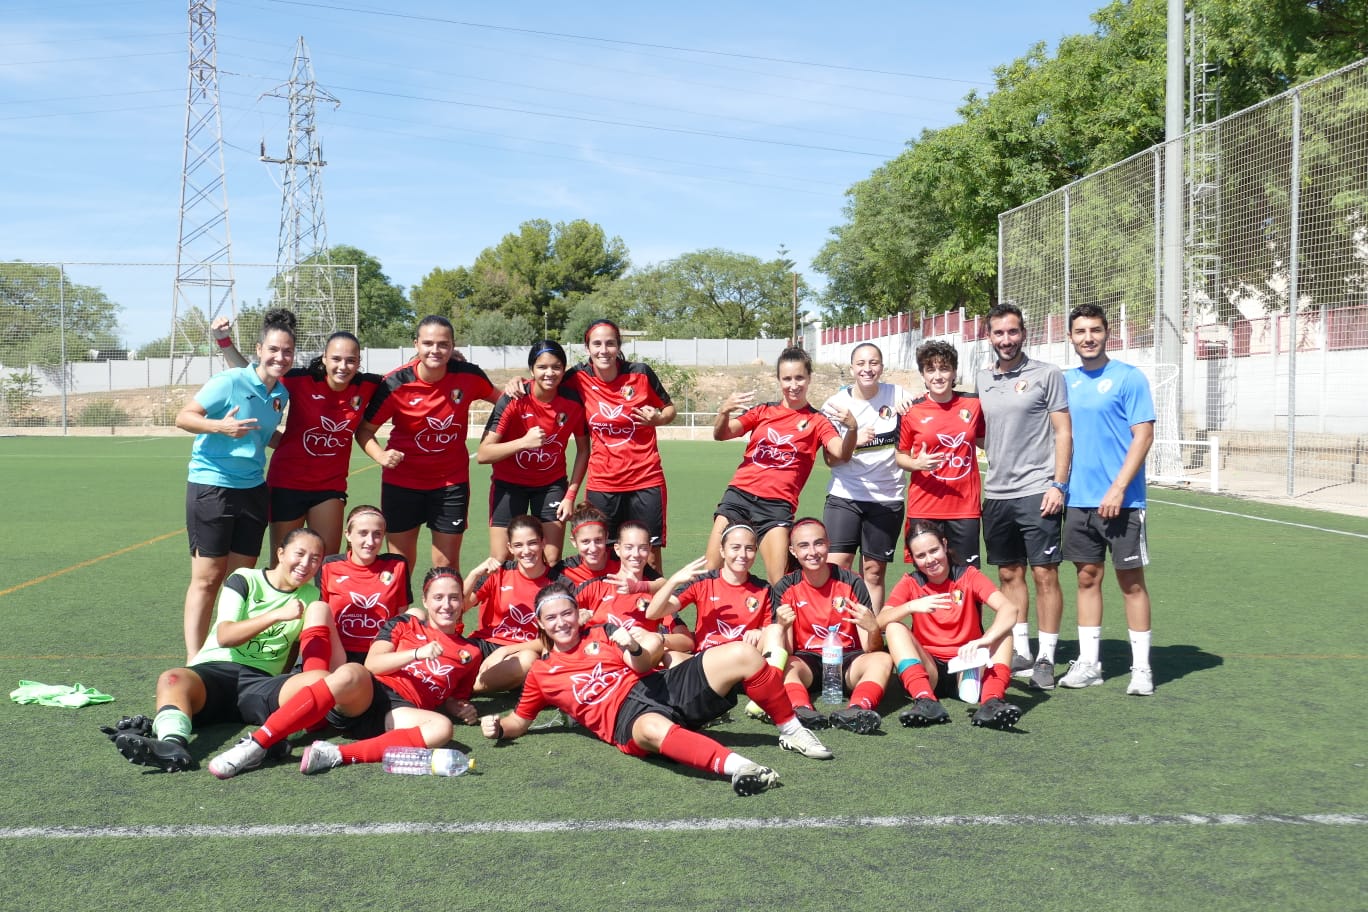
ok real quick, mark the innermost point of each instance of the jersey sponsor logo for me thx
(514, 626)
(440, 434)
(329, 438)
(611, 428)
(362, 618)
(730, 631)
(433, 673)
(542, 457)
(776, 451)
(817, 640)
(959, 458)
(591, 687)
(626, 623)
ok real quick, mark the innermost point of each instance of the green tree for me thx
(706, 294)
(42, 311)
(497, 329)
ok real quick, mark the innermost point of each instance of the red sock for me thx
(766, 687)
(372, 750)
(916, 682)
(797, 694)
(995, 680)
(866, 695)
(315, 648)
(693, 749)
(304, 709)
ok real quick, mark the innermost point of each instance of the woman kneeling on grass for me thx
(943, 597)
(602, 678)
(236, 676)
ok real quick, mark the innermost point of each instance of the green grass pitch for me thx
(1242, 784)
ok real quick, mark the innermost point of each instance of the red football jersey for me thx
(561, 420)
(315, 447)
(942, 633)
(819, 608)
(621, 609)
(579, 573)
(725, 611)
(783, 446)
(362, 598)
(589, 685)
(428, 423)
(508, 605)
(954, 491)
(428, 683)
(624, 455)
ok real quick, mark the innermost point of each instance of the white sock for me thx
(733, 763)
(792, 726)
(1021, 639)
(1048, 642)
(1089, 644)
(1140, 648)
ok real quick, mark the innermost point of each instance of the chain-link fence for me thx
(1275, 310)
(64, 356)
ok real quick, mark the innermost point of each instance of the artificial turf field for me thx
(1242, 784)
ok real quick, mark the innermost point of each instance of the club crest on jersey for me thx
(965, 415)
(643, 604)
(457, 396)
(628, 392)
(356, 402)
(1021, 386)
(803, 425)
(957, 596)
(592, 649)
(276, 404)
(561, 418)
(886, 412)
(387, 577)
(464, 656)
(839, 603)
(752, 604)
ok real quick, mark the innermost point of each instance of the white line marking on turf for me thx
(1279, 522)
(686, 825)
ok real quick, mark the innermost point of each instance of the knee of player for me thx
(649, 730)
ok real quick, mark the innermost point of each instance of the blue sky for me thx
(676, 127)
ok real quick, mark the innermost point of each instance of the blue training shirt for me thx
(1104, 405)
(228, 462)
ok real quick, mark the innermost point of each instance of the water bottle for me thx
(969, 685)
(832, 690)
(422, 761)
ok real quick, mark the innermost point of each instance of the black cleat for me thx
(997, 713)
(129, 725)
(924, 711)
(853, 718)
(811, 718)
(167, 756)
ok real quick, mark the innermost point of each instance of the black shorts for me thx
(1016, 534)
(681, 693)
(1088, 538)
(441, 509)
(760, 513)
(221, 521)
(947, 682)
(370, 723)
(646, 506)
(509, 500)
(813, 660)
(237, 693)
(963, 535)
(870, 524)
(487, 648)
(289, 504)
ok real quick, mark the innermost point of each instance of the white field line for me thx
(1279, 522)
(533, 827)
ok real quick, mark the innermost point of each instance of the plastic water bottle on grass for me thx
(833, 690)
(423, 761)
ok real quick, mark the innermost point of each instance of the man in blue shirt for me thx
(1113, 428)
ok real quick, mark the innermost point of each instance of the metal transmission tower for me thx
(204, 267)
(1203, 173)
(304, 276)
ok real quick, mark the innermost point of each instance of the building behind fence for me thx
(1275, 310)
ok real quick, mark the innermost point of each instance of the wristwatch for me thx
(1061, 486)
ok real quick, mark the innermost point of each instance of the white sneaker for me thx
(1082, 674)
(1141, 682)
(804, 742)
(752, 779)
(241, 757)
(320, 756)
